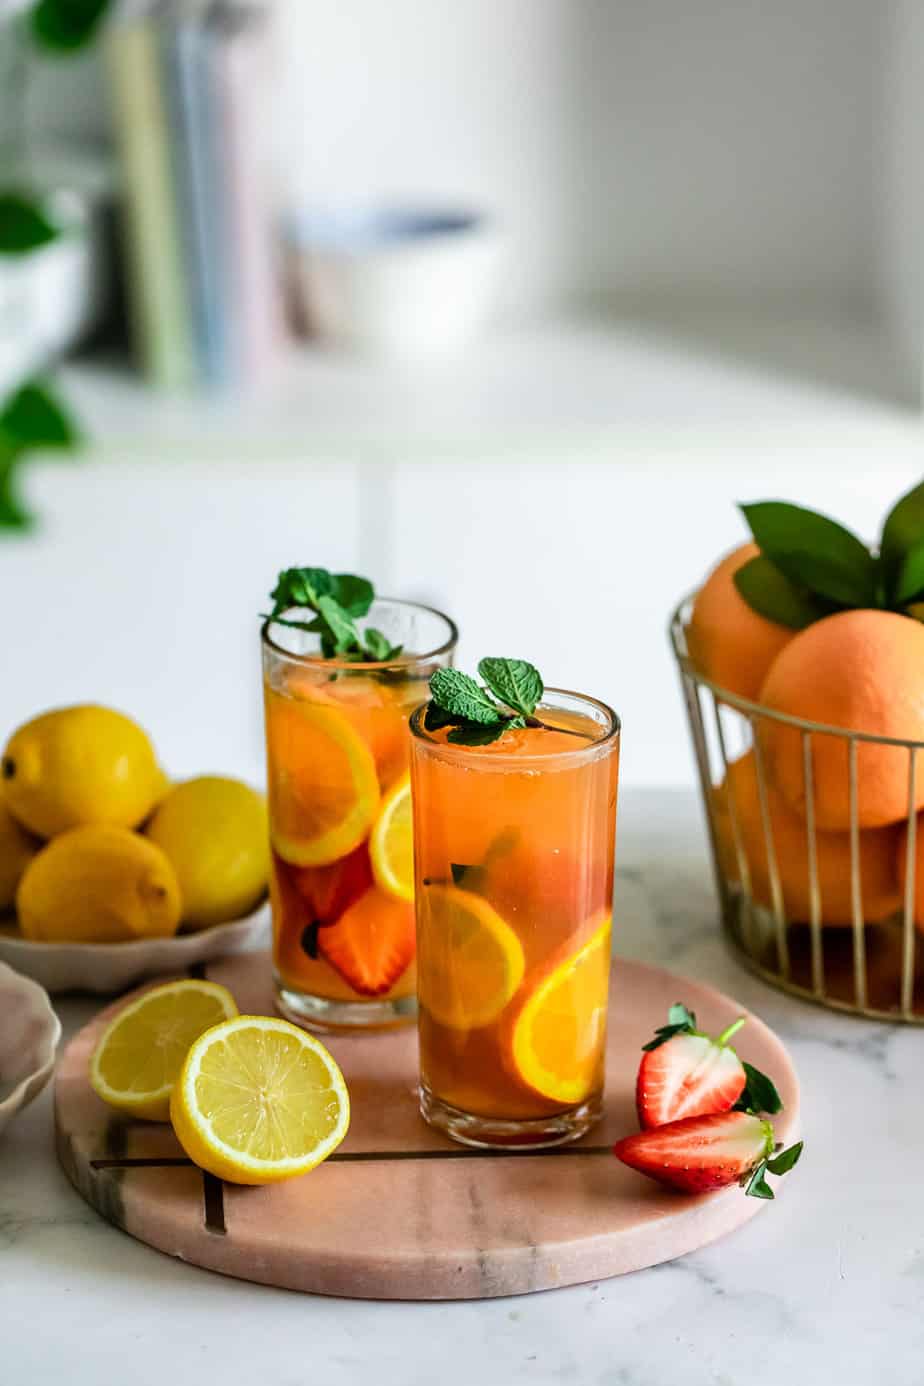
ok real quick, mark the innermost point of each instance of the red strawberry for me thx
(372, 942)
(700, 1154)
(329, 890)
(685, 1073)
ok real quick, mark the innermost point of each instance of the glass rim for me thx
(610, 736)
(402, 661)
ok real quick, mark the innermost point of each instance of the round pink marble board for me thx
(400, 1212)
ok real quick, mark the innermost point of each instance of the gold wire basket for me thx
(866, 968)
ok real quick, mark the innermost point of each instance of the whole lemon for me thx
(98, 884)
(77, 765)
(17, 848)
(216, 834)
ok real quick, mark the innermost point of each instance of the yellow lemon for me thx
(17, 848)
(216, 835)
(98, 885)
(80, 765)
(259, 1100)
(140, 1053)
(558, 1035)
(469, 960)
(391, 843)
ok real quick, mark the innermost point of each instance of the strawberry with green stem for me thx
(687, 1073)
(705, 1153)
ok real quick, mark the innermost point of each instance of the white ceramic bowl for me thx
(113, 967)
(398, 284)
(29, 1034)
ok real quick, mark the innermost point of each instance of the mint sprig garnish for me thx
(338, 601)
(479, 715)
(809, 566)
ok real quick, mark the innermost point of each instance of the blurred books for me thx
(189, 95)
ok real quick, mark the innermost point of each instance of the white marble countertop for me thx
(826, 1285)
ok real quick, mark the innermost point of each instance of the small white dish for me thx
(396, 283)
(106, 968)
(29, 1034)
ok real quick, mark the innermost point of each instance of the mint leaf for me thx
(759, 1094)
(354, 594)
(783, 1163)
(24, 226)
(339, 625)
(378, 646)
(34, 418)
(514, 682)
(814, 551)
(435, 718)
(66, 25)
(902, 531)
(772, 595)
(909, 582)
(480, 735)
(460, 695)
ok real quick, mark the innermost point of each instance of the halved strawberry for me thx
(685, 1073)
(700, 1154)
(329, 890)
(372, 942)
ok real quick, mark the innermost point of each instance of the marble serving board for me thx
(400, 1212)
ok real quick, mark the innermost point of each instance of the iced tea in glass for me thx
(514, 847)
(341, 886)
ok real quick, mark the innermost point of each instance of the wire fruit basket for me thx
(829, 917)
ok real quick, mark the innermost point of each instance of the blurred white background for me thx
(713, 287)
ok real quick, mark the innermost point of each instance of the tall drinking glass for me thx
(514, 846)
(340, 819)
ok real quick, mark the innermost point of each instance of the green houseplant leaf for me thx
(63, 26)
(24, 227)
(35, 418)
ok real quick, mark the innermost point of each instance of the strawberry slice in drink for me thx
(686, 1073)
(372, 942)
(701, 1154)
(329, 890)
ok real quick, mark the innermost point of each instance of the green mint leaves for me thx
(480, 715)
(338, 601)
(810, 566)
(755, 1183)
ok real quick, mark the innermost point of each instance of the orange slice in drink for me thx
(558, 1033)
(391, 844)
(469, 960)
(323, 788)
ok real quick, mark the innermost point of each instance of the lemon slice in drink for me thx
(258, 1101)
(323, 786)
(469, 960)
(391, 843)
(140, 1053)
(557, 1036)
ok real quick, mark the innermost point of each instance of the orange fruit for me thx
(902, 868)
(729, 642)
(323, 787)
(880, 891)
(862, 670)
(558, 1034)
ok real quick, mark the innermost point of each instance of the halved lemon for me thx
(558, 1034)
(323, 787)
(469, 960)
(259, 1100)
(139, 1055)
(391, 844)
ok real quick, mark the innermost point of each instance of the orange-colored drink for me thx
(514, 846)
(340, 819)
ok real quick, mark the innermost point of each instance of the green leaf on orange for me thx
(814, 551)
(773, 596)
